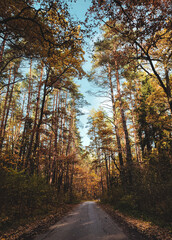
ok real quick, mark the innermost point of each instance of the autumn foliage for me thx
(129, 160)
(131, 135)
(41, 54)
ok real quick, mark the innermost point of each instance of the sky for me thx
(78, 10)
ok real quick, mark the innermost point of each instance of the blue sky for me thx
(78, 10)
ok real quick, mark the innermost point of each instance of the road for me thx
(86, 222)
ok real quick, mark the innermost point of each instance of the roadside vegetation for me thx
(43, 165)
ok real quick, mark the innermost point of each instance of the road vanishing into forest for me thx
(86, 222)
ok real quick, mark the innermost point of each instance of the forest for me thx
(43, 162)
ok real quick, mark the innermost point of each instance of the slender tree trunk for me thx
(4, 110)
(8, 109)
(115, 120)
(102, 187)
(127, 140)
(109, 166)
(7, 113)
(68, 149)
(66, 146)
(64, 124)
(48, 163)
(29, 90)
(136, 140)
(29, 153)
(61, 129)
(71, 180)
(121, 163)
(73, 146)
(39, 123)
(55, 164)
(168, 86)
(107, 172)
(27, 122)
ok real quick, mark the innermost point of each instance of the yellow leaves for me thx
(161, 49)
(86, 182)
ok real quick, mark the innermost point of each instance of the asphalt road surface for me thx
(86, 222)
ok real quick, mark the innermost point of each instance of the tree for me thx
(103, 147)
(108, 57)
(145, 27)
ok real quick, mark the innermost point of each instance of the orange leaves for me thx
(86, 182)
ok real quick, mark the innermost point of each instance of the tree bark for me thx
(39, 123)
(136, 140)
(115, 120)
(29, 153)
(127, 140)
(7, 109)
(55, 164)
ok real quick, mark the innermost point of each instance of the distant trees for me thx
(102, 148)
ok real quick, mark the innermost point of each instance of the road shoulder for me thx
(135, 228)
(30, 230)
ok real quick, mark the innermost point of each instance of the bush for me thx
(24, 196)
(127, 203)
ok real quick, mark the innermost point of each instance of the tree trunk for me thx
(27, 123)
(29, 153)
(39, 122)
(136, 140)
(7, 111)
(4, 110)
(29, 90)
(107, 172)
(73, 147)
(116, 127)
(56, 127)
(127, 141)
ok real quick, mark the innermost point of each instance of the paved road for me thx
(87, 222)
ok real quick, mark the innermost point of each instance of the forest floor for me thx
(136, 228)
(133, 228)
(37, 226)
